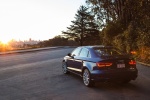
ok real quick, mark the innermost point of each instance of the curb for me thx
(143, 63)
(29, 50)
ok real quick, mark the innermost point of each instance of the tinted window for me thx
(84, 53)
(76, 52)
(107, 52)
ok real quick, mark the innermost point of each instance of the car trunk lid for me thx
(118, 61)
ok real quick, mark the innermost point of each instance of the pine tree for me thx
(83, 28)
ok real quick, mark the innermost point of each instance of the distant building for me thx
(21, 44)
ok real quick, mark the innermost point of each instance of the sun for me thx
(4, 41)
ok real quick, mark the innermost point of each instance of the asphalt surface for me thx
(38, 76)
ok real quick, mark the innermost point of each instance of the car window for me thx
(107, 52)
(76, 52)
(84, 53)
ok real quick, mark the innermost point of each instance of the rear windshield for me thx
(107, 51)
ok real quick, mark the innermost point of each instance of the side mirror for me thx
(72, 56)
(69, 54)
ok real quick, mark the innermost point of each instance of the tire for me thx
(87, 78)
(64, 68)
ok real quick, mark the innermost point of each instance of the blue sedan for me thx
(100, 63)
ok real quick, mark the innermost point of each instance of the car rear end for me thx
(114, 67)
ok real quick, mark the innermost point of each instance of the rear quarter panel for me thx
(89, 63)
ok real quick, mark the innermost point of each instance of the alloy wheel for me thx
(64, 68)
(86, 77)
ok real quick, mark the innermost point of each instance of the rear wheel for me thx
(87, 78)
(64, 68)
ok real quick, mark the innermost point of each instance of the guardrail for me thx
(32, 50)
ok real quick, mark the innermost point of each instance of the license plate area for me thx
(120, 65)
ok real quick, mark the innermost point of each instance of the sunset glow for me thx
(35, 19)
(4, 40)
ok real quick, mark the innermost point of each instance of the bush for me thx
(143, 54)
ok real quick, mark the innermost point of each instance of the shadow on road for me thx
(132, 87)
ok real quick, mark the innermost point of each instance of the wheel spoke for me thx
(86, 77)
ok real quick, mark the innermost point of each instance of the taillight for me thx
(103, 64)
(132, 62)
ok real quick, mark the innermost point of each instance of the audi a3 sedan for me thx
(100, 63)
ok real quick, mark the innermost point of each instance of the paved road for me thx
(38, 76)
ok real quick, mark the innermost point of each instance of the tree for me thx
(124, 24)
(57, 41)
(123, 13)
(83, 28)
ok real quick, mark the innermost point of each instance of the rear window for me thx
(107, 51)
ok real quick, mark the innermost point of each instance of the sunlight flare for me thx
(4, 41)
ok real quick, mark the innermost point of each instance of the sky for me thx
(36, 19)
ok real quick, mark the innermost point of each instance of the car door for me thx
(78, 60)
(71, 62)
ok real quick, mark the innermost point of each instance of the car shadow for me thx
(113, 86)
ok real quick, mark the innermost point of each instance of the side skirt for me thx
(75, 73)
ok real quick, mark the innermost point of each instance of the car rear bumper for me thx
(114, 75)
